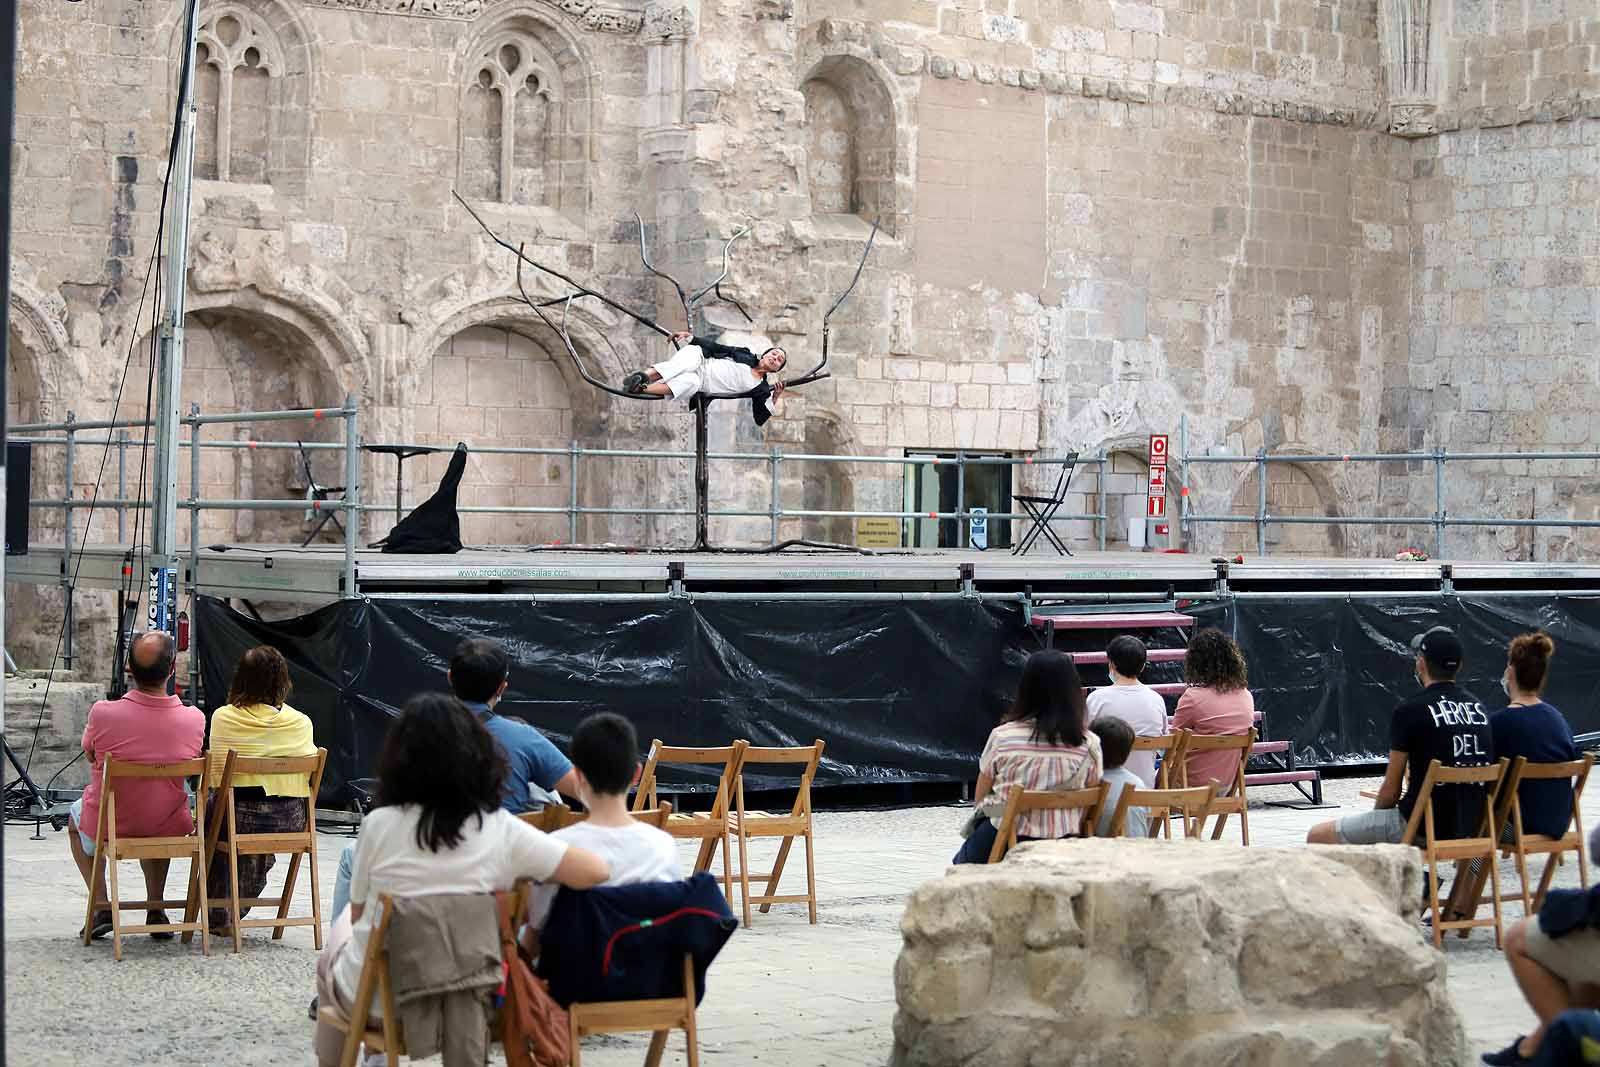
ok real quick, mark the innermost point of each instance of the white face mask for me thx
(1504, 688)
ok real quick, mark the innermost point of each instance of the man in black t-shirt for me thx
(1444, 722)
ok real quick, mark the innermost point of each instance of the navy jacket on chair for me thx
(627, 942)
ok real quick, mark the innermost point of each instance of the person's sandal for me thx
(635, 382)
(102, 927)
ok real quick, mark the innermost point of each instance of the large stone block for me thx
(1181, 952)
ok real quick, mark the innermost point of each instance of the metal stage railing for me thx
(1439, 521)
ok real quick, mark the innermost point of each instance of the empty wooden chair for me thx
(110, 848)
(1458, 849)
(1523, 845)
(710, 828)
(1230, 798)
(747, 825)
(1171, 748)
(1021, 801)
(297, 845)
(660, 1016)
(1192, 805)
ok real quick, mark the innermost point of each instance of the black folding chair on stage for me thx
(315, 496)
(1041, 509)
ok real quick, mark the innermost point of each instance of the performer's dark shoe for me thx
(635, 382)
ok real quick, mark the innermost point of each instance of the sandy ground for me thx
(783, 992)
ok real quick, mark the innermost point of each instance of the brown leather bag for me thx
(533, 1028)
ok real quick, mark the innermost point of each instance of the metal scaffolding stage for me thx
(318, 575)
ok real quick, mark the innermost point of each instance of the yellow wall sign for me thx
(877, 533)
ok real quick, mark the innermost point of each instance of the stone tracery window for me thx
(512, 111)
(237, 83)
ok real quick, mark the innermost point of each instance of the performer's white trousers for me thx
(682, 372)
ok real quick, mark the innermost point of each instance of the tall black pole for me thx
(8, 109)
(702, 482)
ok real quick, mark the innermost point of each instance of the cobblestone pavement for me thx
(783, 992)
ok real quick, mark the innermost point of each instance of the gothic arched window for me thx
(512, 109)
(239, 68)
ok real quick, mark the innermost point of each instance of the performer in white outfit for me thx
(702, 366)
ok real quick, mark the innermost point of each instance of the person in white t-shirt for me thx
(605, 754)
(438, 828)
(1132, 701)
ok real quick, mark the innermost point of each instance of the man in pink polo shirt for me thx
(146, 726)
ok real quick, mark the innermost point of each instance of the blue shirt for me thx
(531, 756)
(1539, 732)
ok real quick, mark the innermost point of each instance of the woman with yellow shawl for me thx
(257, 722)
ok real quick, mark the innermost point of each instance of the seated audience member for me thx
(256, 722)
(605, 753)
(1043, 743)
(1116, 742)
(1216, 704)
(148, 725)
(1129, 699)
(479, 672)
(1555, 959)
(1444, 722)
(1527, 726)
(438, 828)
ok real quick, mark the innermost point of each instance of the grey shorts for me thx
(1573, 957)
(1380, 826)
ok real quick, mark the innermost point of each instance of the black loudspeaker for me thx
(19, 482)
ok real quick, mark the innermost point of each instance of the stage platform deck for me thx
(316, 574)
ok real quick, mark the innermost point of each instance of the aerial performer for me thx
(703, 365)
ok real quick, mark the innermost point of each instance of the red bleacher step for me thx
(1155, 655)
(1134, 620)
(1279, 778)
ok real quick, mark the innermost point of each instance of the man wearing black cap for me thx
(1444, 722)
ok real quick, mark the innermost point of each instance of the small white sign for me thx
(979, 531)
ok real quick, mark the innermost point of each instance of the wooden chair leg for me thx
(727, 871)
(1244, 821)
(116, 906)
(1494, 883)
(288, 894)
(574, 1038)
(744, 875)
(316, 897)
(234, 915)
(777, 871)
(199, 861)
(191, 905)
(658, 1045)
(811, 879)
(1216, 833)
(1522, 875)
(1544, 883)
(690, 1032)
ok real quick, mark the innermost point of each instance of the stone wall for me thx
(1311, 228)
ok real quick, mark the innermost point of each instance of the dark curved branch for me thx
(566, 338)
(820, 370)
(724, 298)
(582, 289)
(717, 285)
(683, 297)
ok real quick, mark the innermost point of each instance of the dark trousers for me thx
(266, 815)
(978, 845)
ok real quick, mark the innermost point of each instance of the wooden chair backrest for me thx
(1021, 801)
(114, 769)
(729, 757)
(1172, 747)
(1577, 771)
(808, 755)
(1219, 743)
(189, 768)
(1193, 802)
(1489, 777)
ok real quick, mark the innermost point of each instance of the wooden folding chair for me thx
(1458, 849)
(1172, 748)
(1230, 800)
(385, 1034)
(1021, 801)
(710, 827)
(298, 844)
(553, 817)
(797, 823)
(110, 848)
(660, 1016)
(1523, 844)
(1192, 806)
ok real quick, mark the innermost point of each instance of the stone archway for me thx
(1295, 490)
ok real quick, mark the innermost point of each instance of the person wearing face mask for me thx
(1527, 726)
(1444, 722)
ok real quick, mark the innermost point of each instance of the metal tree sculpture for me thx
(700, 403)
